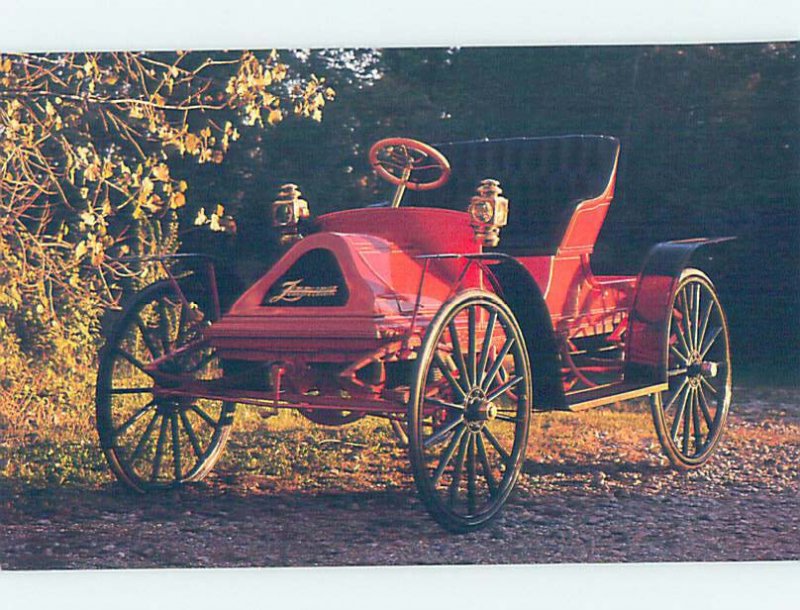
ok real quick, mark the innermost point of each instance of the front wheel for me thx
(690, 415)
(469, 410)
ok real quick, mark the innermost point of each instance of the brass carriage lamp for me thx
(287, 212)
(488, 211)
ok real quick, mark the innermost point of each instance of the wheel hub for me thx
(478, 409)
(698, 368)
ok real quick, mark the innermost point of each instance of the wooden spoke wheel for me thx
(153, 440)
(469, 410)
(690, 416)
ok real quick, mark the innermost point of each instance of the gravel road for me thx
(616, 505)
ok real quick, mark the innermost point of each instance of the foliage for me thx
(86, 151)
(92, 146)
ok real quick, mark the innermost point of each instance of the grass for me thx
(289, 452)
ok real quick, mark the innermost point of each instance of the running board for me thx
(615, 392)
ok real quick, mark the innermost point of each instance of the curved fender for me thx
(648, 323)
(520, 291)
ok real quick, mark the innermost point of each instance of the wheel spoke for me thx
(681, 356)
(457, 469)
(187, 425)
(176, 447)
(447, 455)
(134, 418)
(203, 362)
(205, 416)
(496, 444)
(708, 385)
(163, 325)
(134, 361)
(687, 320)
(696, 312)
(714, 334)
(182, 326)
(704, 326)
(679, 416)
(445, 404)
(139, 449)
(458, 355)
(471, 474)
(504, 388)
(471, 354)
(440, 363)
(498, 361)
(487, 469)
(487, 344)
(687, 422)
(698, 434)
(148, 342)
(507, 418)
(675, 372)
(162, 434)
(704, 408)
(442, 433)
(675, 395)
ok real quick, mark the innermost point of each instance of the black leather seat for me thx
(543, 179)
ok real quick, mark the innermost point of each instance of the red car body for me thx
(389, 302)
(446, 315)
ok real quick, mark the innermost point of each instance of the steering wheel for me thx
(397, 160)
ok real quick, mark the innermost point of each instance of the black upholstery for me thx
(543, 179)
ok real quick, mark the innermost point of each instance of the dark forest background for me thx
(710, 138)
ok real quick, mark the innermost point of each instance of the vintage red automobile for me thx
(448, 311)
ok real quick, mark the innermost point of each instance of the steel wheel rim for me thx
(153, 441)
(694, 409)
(468, 463)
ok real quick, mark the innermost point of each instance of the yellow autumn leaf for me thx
(275, 116)
(177, 200)
(161, 172)
(220, 209)
(192, 143)
(201, 217)
(146, 190)
(98, 254)
(80, 250)
(92, 173)
(182, 186)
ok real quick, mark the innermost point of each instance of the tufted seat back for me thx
(543, 178)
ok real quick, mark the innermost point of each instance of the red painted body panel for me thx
(393, 293)
(383, 277)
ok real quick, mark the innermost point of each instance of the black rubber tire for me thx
(692, 392)
(464, 431)
(198, 450)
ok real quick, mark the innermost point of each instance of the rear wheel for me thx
(690, 416)
(153, 441)
(469, 410)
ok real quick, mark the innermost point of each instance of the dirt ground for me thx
(594, 489)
